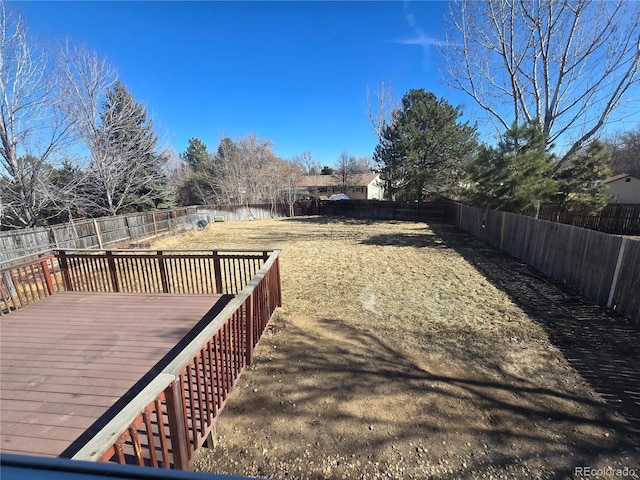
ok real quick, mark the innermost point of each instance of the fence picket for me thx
(584, 259)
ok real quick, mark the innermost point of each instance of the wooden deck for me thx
(71, 361)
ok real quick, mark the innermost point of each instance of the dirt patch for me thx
(409, 351)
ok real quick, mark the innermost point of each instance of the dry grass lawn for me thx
(412, 351)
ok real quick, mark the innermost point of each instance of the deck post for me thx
(112, 271)
(46, 273)
(212, 438)
(163, 272)
(64, 268)
(217, 271)
(177, 426)
(248, 310)
(279, 285)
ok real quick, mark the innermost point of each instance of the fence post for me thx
(112, 272)
(177, 425)
(126, 222)
(217, 268)
(163, 272)
(64, 268)
(614, 283)
(502, 227)
(46, 273)
(55, 237)
(155, 225)
(97, 230)
(249, 324)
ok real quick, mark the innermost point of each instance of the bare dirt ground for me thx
(405, 350)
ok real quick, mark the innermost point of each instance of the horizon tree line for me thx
(75, 142)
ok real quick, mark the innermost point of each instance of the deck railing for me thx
(128, 271)
(172, 271)
(28, 282)
(171, 418)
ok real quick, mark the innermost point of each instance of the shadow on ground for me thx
(189, 335)
(601, 345)
(322, 386)
(328, 400)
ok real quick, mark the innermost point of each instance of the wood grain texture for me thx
(70, 359)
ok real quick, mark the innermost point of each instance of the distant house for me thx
(623, 188)
(364, 186)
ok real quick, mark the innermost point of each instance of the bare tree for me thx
(258, 160)
(567, 64)
(345, 172)
(124, 171)
(85, 79)
(290, 172)
(380, 109)
(229, 176)
(364, 165)
(309, 164)
(33, 125)
(625, 152)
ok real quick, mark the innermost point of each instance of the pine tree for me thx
(125, 173)
(580, 186)
(196, 155)
(197, 185)
(423, 149)
(515, 176)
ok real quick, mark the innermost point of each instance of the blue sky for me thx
(293, 72)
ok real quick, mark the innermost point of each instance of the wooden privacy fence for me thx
(95, 233)
(622, 219)
(233, 213)
(98, 233)
(385, 210)
(171, 418)
(600, 266)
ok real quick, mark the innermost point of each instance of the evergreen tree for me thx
(580, 186)
(197, 185)
(423, 149)
(125, 173)
(515, 176)
(196, 155)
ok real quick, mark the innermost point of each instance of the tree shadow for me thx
(419, 240)
(603, 347)
(358, 394)
(344, 389)
(189, 335)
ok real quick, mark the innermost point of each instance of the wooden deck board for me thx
(68, 362)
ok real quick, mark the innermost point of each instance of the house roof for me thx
(617, 177)
(357, 180)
